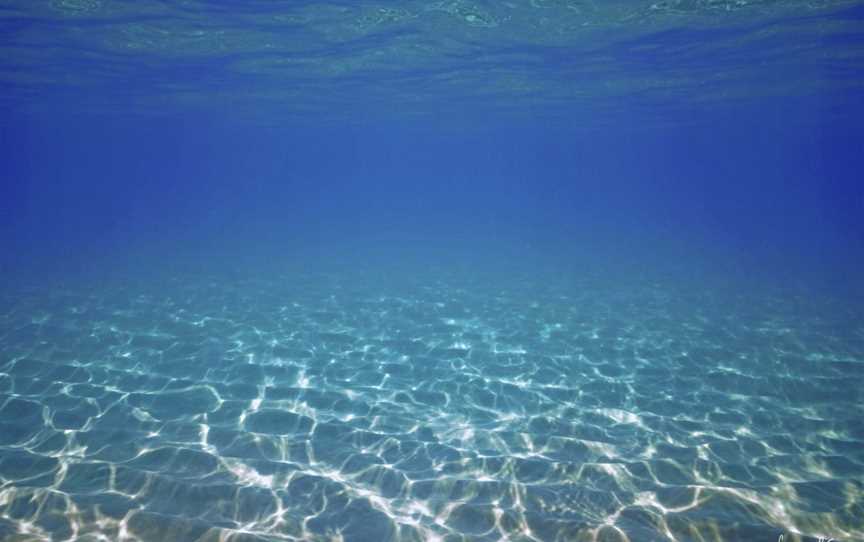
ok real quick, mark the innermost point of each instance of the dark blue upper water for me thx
(454, 270)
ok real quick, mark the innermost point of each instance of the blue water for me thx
(538, 270)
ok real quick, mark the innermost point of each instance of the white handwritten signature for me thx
(820, 539)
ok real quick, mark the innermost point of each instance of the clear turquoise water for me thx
(446, 406)
(559, 270)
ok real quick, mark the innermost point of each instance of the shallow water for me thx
(320, 406)
(365, 270)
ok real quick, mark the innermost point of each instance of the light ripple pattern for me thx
(321, 408)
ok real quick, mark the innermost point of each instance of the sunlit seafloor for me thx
(318, 407)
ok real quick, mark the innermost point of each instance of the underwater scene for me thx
(450, 270)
